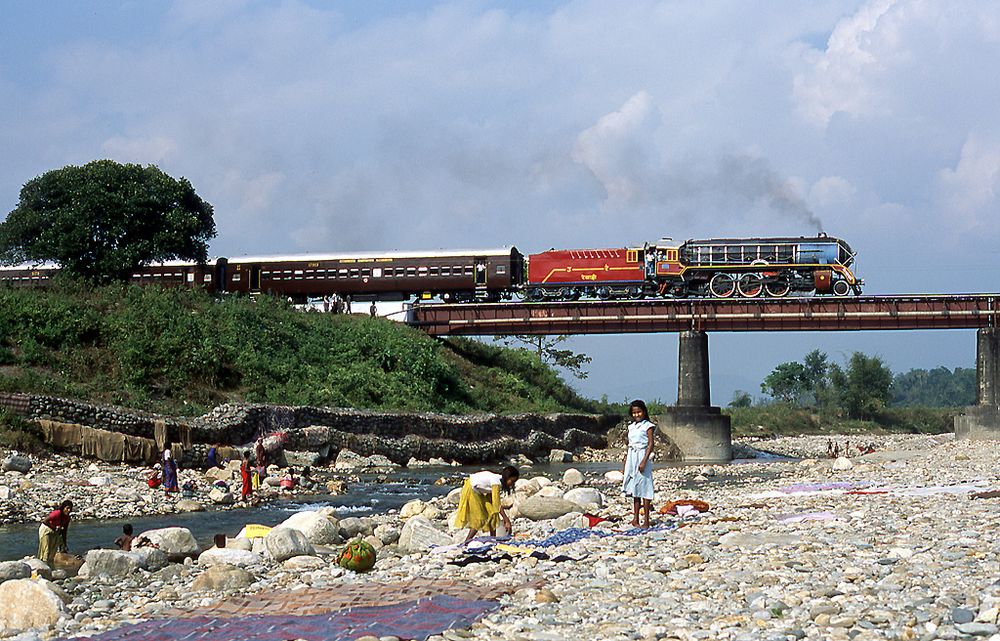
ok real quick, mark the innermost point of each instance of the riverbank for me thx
(889, 545)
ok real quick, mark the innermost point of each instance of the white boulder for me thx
(228, 556)
(316, 527)
(419, 534)
(176, 542)
(283, 543)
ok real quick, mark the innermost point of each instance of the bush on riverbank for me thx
(19, 434)
(782, 419)
(182, 352)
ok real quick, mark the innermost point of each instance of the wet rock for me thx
(221, 497)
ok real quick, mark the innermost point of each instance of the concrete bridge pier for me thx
(700, 431)
(982, 421)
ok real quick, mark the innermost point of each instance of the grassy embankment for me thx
(182, 352)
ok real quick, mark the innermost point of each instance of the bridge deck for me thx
(952, 311)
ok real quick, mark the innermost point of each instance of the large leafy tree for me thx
(102, 220)
(786, 382)
(864, 387)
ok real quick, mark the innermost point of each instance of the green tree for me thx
(741, 398)
(864, 388)
(102, 220)
(546, 348)
(786, 383)
(939, 387)
(815, 375)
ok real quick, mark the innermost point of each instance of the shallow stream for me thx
(371, 494)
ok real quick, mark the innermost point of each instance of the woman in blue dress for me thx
(638, 481)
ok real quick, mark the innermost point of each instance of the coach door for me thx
(255, 278)
(480, 271)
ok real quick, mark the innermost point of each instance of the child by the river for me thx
(638, 481)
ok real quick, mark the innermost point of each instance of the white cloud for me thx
(969, 190)
(616, 145)
(843, 77)
(831, 191)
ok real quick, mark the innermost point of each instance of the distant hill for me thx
(182, 352)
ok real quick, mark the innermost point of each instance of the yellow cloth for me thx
(255, 531)
(475, 512)
(513, 549)
(48, 539)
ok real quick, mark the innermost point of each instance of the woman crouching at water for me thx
(479, 505)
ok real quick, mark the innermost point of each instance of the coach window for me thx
(354, 273)
(190, 277)
(501, 269)
(236, 278)
(433, 271)
(468, 270)
(366, 272)
(422, 271)
(411, 271)
(376, 272)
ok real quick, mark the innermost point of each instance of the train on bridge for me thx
(708, 268)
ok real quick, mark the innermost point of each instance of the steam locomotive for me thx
(716, 268)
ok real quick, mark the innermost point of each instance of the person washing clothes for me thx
(245, 476)
(638, 481)
(479, 506)
(52, 531)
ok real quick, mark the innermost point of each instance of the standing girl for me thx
(638, 482)
(475, 510)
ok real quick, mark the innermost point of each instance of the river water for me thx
(371, 494)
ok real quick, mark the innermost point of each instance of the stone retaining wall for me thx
(398, 436)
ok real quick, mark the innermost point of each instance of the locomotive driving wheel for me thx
(750, 285)
(778, 288)
(722, 285)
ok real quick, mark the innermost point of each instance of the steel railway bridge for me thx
(699, 430)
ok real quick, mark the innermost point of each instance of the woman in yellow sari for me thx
(479, 505)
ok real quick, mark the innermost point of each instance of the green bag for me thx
(358, 555)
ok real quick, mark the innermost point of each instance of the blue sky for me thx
(314, 126)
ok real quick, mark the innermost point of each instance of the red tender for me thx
(584, 267)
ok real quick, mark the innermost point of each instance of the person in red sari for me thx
(245, 475)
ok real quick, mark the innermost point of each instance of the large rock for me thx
(614, 476)
(551, 491)
(112, 563)
(572, 477)
(387, 533)
(560, 456)
(28, 603)
(527, 486)
(541, 508)
(189, 505)
(304, 563)
(11, 570)
(348, 460)
(352, 527)
(222, 578)
(284, 543)
(842, 463)
(585, 497)
(412, 508)
(214, 474)
(151, 559)
(228, 556)
(316, 527)
(176, 542)
(17, 463)
(419, 534)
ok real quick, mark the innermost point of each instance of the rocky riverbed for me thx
(893, 544)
